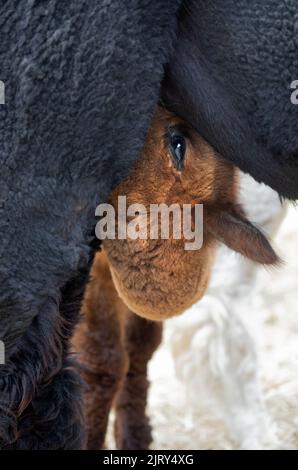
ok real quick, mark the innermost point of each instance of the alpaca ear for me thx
(235, 231)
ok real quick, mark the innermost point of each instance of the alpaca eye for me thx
(177, 145)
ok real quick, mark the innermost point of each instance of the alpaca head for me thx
(158, 278)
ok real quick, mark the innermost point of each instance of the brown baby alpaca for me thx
(159, 278)
(155, 278)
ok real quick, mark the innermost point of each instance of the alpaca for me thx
(159, 278)
(81, 82)
(155, 279)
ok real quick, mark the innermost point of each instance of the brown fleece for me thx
(114, 346)
(155, 278)
(159, 278)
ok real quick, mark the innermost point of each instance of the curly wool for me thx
(81, 82)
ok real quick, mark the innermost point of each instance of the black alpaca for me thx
(81, 81)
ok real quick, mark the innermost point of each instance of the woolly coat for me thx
(81, 80)
(232, 76)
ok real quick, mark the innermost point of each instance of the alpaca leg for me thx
(98, 341)
(103, 368)
(132, 428)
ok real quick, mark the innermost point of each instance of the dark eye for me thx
(177, 145)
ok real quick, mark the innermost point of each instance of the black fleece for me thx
(81, 82)
(231, 76)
